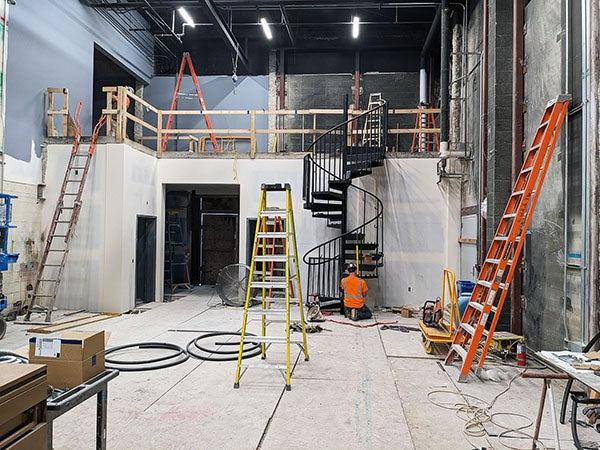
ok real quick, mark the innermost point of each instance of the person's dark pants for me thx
(361, 313)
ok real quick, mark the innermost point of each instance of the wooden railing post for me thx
(252, 134)
(159, 134)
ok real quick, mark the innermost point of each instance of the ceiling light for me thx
(266, 28)
(186, 17)
(355, 24)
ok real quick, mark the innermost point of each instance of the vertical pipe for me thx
(516, 319)
(444, 78)
(483, 151)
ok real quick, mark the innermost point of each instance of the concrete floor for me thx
(362, 388)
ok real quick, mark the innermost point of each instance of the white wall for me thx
(99, 274)
(421, 220)
(421, 230)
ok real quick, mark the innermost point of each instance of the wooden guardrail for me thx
(120, 101)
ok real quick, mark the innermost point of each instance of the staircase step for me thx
(359, 173)
(355, 236)
(333, 217)
(325, 207)
(340, 185)
(337, 225)
(361, 246)
(327, 195)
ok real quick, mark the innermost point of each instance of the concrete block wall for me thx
(27, 239)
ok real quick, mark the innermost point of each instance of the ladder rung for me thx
(471, 329)
(63, 221)
(77, 168)
(527, 169)
(293, 300)
(51, 265)
(48, 280)
(497, 261)
(509, 216)
(268, 284)
(272, 212)
(273, 278)
(488, 284)
(57, 250)
(271, 340)
(505, 238)
(544, 124)
(479, 306)
(82, 154)
(272, 234)
(275, 311)
(70, 193)
(66, 207)
(58, 235)
(265, 366)
(70, 180)
(459, 351)
(271, 258)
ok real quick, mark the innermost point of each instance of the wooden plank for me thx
(253, 135)
(71, 324)
(141, 100)
(141, 122)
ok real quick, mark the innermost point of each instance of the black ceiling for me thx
(397, 29)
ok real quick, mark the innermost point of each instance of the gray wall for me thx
(51, 44)
(250, 92)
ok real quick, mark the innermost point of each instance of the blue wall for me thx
(250, 92)
(51, 44)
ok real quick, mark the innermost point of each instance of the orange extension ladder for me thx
(187, 60)
(503, 254)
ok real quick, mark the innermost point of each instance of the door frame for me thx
(154, 260)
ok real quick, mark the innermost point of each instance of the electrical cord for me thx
(248, 352)
(178, 356)
(476, 416)
(8, 357)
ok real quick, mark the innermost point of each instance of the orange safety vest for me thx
(355, 290)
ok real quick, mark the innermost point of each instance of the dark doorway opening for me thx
(145, 260)
(208, 217)
(107, 72)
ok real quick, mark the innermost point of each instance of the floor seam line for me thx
(412, 438)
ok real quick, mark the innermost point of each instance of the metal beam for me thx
(226, 33)
(286, 22)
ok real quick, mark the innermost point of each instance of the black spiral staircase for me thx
(348, 151)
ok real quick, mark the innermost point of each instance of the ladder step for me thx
(488, 284)
(509, 216)
(497, 261)
(70, 180)
(45, 295)
(77, 168)
(272, 258)
(275, 212)
(271, 340)
(264, 366)
(521, 192)
(58, 235)
(459, 350)
(272, 234)
(51, 265)
(505, 238)
(471, 329)
(57, 250)
(479, 306)
(293, 300)
(46, 279)
(70, 193)
(273, 278)
(66, 207)
(268, 284)
(266, 312)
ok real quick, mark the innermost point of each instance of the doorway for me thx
(145, 260)
(208, 217)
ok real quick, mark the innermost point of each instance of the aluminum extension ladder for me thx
(503, 254)
(274, 251)
(64, 220)
(374, 122)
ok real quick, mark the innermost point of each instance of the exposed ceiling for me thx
(226, 27)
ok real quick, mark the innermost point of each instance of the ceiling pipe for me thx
(423, 86)
(227, 34)
(516, 314)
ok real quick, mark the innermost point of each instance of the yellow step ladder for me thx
(273, 250)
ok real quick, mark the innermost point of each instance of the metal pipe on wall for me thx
(516, 317)
(444, 78)
(483, 148)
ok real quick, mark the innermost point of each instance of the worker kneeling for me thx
(355, 291)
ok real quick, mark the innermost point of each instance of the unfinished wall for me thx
(100, 270)
(421, 230)
(543, 275)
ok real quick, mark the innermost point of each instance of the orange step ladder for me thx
(503, 254)
(187, 60)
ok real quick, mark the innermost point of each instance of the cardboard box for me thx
(72, 359)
